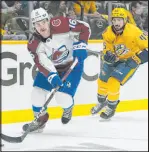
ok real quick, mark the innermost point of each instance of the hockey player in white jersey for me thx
(66, 39)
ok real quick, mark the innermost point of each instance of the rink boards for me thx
(18, 71)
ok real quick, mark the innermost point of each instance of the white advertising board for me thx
(17, 78)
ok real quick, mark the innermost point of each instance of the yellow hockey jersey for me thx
(126, 45)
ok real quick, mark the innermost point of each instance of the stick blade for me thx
(11, 139)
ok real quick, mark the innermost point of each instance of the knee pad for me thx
(38, 97)
(64, 100)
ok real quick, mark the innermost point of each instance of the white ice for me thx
(126, 131)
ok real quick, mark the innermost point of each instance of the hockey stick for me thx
(21, 138)
(82, 10)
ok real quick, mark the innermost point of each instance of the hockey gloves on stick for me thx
(54, 79)
(79, 50)
(109, 58)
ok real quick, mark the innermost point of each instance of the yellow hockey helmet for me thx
(120, 12)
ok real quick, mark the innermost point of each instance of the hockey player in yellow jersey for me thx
(125, 49)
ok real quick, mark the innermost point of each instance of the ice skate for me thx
(66, 117)
(39, 125)
(109, 111)
(100, 105)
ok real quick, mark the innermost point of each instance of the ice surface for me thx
(124, 132)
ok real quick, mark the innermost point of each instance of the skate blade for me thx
(95, 115)
(34, 132)
(98, 113)
(104, 120)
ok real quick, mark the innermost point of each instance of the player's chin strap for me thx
(22, 137)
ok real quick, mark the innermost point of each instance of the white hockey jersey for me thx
(55, 52)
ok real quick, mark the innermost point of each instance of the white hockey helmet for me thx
(38, 15)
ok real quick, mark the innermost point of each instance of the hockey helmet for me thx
(38, 15)
(119, 12)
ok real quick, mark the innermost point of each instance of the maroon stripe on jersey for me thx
(84, 31)
(32, 47)
(40, 67)
(61, 25)
(84, 35)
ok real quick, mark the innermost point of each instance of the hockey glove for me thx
(109, 58)
(54, 79)
(143, 56)
(131, 63)
(79, 50)
(138, 59)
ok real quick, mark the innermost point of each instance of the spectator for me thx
(90, 10)
(6, 9)
(71, 13)
(57, 8)
(12, 10)
(145, 19)
(144, 3)
(101, 7)
(136, 10)
(8, 12)
(97, 28)
(2, 32)
(8, 35)
(14, 14)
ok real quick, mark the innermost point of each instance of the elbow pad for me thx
(143, 56)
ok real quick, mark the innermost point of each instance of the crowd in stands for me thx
(15, 15)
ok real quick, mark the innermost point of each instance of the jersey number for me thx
(32, 55)
(72, 23)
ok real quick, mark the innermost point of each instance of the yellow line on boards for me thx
(12, 42)
(17, 116)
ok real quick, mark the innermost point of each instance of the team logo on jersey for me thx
(56, 22)
(120, 49)
(60, 54)
(68, 84)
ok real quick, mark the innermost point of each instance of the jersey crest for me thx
(120, 49)
(60, 54)
(56, 22)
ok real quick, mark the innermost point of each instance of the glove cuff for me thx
(79, 45)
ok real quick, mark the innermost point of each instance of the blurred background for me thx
(15, 15)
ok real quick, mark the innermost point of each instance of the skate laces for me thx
(67, 113)
(97, 106)
(108, 110)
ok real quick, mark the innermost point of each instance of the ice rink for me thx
(126, 131)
